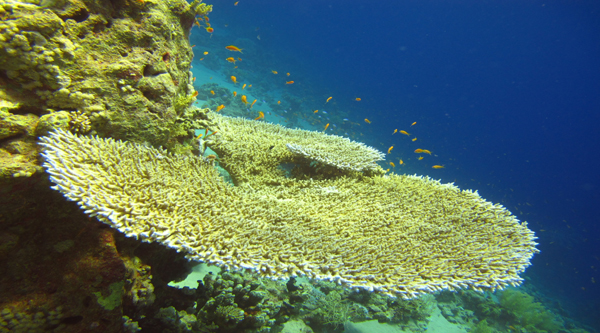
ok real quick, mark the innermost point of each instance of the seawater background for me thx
(506, 94)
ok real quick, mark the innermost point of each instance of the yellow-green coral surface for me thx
(401, 235)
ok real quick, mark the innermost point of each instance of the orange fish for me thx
(260, 115)
(212, 92)
(206, 18)
(198, 22)
(418, 151)
(401, 162)
(357, 99)
(420, 158)
(239, 59)
(231, 60)
(234, 93)
(438, 166)
(250, 86)
(328, 99)
(210, 30)
(425, 151)
(205, 52)
(315, 111)
(234, 79)
(194, 45)
(235, 3)
(326, 127)
(195, 93)
(194, 80)
(367, 121)
(244, 99)
(244, 86)
(392, 164)
(278, 102)
(289, 82)
(220, 107)
(274, 72)
(201, 59)
(395, 131)
(413, 124)
(414, 139)
(233, 48)
(288, 74)
(404, 132)
(390, 149)
(252, 103)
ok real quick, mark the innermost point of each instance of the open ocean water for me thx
(505, 94)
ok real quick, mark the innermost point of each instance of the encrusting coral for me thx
(399, 235)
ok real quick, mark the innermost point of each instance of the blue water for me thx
(506, 95)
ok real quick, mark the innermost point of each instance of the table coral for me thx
(399, 235)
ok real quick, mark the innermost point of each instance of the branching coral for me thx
(401, 235)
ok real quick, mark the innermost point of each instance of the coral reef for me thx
(110, 68)
(524, 312)
(314, 228)
(235, 302)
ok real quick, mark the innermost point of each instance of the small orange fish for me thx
(315, 111)
(413, 124)
(233, 48)
(234, 79)
(414, 139)
(206, 18)
(395, 131)
(220, 107)
(390, 149)
(234, 93)
(205, 52)
(210, 30)
(438, 166)
(194, 45)
(194, 79)
(253, 103)
(274, 72)
(401, 162)
(260, 115)
(201, 59)
(195, 93)
(328, 99)
(387, 170)
(250, 86)
(326, 127)
(289, 82)
(420, 158)
(212, 92)
(288, 74)
(278, 102)
(367, 121)
(392, 164)
(357, 99)
(404, 132)
(244, 99)
(244, 86)
(239, 59)
(426, 151)
(231, 60)
(235, 3)
(418, 151)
